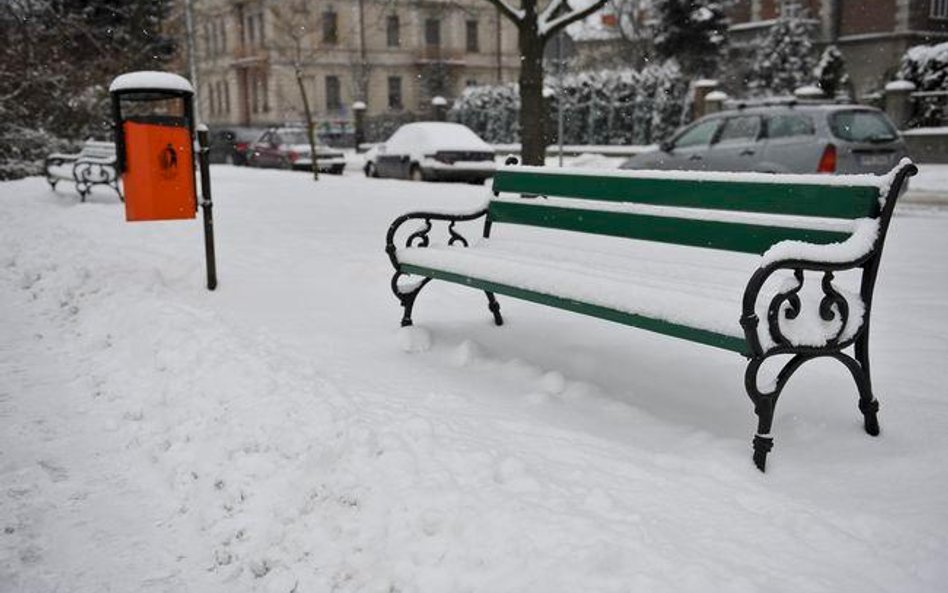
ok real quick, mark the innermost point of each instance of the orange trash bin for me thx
(159, 171)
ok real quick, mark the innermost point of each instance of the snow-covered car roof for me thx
(436, 135)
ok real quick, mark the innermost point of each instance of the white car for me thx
(437, 151)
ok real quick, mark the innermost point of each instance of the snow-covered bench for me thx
(94, 164)
(745, 262)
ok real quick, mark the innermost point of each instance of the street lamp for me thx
(440, 106)
(358, 112)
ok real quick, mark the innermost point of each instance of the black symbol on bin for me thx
(168, 162)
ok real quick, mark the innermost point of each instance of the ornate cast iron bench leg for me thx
(407, 299)
(868, 404)
(764, 403)
(494, 307)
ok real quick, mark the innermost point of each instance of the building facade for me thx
(392, 55)
(871, 34)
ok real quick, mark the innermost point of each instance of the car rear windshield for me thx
(294, 137)
(862, 126)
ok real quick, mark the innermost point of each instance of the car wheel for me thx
(370, 170)
(415, 173)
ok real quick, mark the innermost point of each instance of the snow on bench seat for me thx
(658, 283)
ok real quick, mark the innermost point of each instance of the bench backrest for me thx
(735, 212)
(98, 149)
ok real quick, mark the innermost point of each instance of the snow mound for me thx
(414, 339)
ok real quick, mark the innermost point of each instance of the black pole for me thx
(207, 208)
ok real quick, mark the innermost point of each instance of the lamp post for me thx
(358, 113)
(440, 106)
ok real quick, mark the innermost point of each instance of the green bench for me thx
(797, 233)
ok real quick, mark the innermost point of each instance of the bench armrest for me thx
(420, 237)
(96, 160)
(60, 158)
(854, 253)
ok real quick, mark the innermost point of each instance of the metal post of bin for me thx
(207, 208)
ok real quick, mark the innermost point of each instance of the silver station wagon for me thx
(787, 138)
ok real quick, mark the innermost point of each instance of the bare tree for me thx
(535, 27)
(290, 19)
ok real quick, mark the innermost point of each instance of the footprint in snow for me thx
(56, 472)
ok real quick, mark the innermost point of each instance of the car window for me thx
(264, 138)
(787, 126)
(739, 130)
(276, 139)
(862, 126)
(698, 134)
(294, 137)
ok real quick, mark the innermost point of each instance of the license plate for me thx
(874, 160)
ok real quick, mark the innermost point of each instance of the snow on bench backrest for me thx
(744, 212)
(98, 149)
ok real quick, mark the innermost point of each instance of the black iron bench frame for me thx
(785, 304)
(88, 170)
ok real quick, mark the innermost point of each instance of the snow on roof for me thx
(150, 80)
(593, 27)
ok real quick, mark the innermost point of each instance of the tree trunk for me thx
(532, 107)
(309, 123)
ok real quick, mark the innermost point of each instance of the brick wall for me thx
(858, 17)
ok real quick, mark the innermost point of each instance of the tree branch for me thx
(509, 11)
(550, 28)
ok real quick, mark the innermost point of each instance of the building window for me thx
(222, 107)
(226, 97)
(258, 92)
(433, 32)
(470, 82)
(791, 9)
(394, 92)
(250, 31)
(939, 9)
(471, 29)
(254, 99)
(253, 30)
(223, 27)
(333, 95)
(392, 32)
(210, 97)
(330, 27)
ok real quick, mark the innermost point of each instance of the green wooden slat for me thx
(831, 201)
(712, 234)
(691, 334)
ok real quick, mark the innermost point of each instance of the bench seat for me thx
(658, 289)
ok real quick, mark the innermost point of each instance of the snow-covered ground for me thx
(280, 435)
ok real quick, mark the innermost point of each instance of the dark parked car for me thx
(432, 151)
(230, 145)
(787, 138)
(288, 147)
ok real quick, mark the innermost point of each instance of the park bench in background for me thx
(799, 231)
(93, 165)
